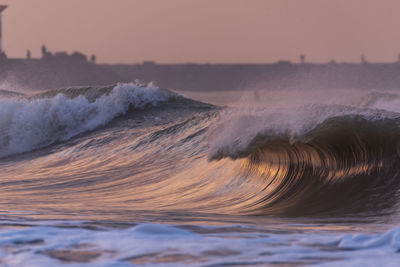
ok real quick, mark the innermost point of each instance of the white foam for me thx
(160, 240)
(29, 124)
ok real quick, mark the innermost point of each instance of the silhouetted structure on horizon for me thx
(279, 75)
(63, 56)
(363, 61)
(302, 59)
(60, 69)
(54, 70)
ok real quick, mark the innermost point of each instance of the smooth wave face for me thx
(342, 162)
(276, 169)
(347, 165)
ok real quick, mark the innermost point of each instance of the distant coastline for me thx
(62, 70)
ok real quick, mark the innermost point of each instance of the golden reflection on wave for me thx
(146, 169)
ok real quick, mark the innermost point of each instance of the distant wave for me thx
(10, 94)
(90, 92)
(30, 123)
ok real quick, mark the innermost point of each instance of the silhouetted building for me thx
(3, 56)
(302, 58)
(93, 59)
(63, 56)
(363, 59)
(78, 57)
(2, 8)
(45, 54)
(44, 51)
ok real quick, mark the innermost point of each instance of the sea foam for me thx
(54, 246)
(27, 124)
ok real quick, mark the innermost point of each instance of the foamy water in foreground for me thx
(131, 175)
(162, 244)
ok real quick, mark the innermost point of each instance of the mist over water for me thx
(132, 174)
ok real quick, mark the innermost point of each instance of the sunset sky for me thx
(206, 31)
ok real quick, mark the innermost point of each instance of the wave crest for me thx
(317, 160)
(27, 124)
(236, 136)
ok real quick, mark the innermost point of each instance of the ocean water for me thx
(135, 175)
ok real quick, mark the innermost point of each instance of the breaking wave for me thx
(10, 94)
(314, 159)
(38, 121)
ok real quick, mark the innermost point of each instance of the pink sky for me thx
(226, 31)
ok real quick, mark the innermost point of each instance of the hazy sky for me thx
(169, 31)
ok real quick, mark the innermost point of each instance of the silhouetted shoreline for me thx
(64, 71)
(282, 75)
